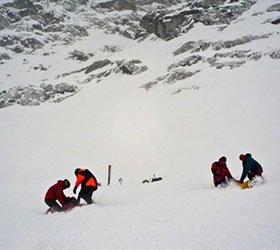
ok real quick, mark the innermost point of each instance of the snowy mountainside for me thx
(43, 28)
(159, 88)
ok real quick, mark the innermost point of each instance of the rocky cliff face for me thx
(168, 24)
(30, 25)
(36, 23)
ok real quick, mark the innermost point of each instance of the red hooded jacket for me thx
(220, 172)
(55, 192)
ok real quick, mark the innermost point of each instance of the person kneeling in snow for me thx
(88, 184)
(251, 168)
(54, 193)
(221, 174)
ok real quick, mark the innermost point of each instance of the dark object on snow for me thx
(152, 179)
(156, 179)
(120, 181)
(277, 21)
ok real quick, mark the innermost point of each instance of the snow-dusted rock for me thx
(132, 67)
(80, 56)
(35, 95)
(97, 65)
(168, 24)
(189, 61)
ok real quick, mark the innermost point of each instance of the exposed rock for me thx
(63, 88)
(34, 95)
(24, 4)
(51, 18)
(274, 7)
(239, 54)
(131, 67)
(108, 48)
(231, 65)
(196, 46)
(165, 25)
(72, 6)
(40, 67)
(149, 85)
(80, 56)
(7, 40)
(178, 75)
(189, 61)
(193, 87)
(74, 30)
(27, 12)
(169, 24)
(4, 22)
(275, 54)
(193, 46)
(32, 43)
(17, 49)
(276, 21)
(240, 41)
(97, 65)
(118, 5)
(4, 56)
(205, 4)
(171, 78)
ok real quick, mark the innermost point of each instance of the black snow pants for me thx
(86, 193)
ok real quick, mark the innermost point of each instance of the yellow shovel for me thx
(243, 185)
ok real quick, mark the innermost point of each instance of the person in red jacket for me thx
(88, 184)
(55, 193)
(221, 174)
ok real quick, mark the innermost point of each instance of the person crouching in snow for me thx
(251, 168)
(221, 174)
(88, 184)
(54, 193)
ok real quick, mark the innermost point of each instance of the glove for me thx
(74, 190)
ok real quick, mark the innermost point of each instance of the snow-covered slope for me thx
(160, 120)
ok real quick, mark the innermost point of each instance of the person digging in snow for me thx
(251, 168)
(221, 174)
(88, 184)
(54, 193)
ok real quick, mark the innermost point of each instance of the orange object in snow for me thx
(243, 185)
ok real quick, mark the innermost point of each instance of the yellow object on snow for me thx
(243, 185)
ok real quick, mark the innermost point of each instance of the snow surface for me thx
(141, 134)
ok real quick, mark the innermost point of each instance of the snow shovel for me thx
(243, 185)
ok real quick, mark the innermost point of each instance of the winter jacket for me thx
(86, 179)
(55, 192)
(250, 167)
(220, 172)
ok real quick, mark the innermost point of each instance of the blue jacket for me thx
(249, 165)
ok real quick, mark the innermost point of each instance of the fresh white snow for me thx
(144, 133)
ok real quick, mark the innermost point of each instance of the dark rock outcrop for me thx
(196, 46)
(97, 65)
(169, 24)
(274, 7)
(276, 21)
(35, 95)
(118, 5)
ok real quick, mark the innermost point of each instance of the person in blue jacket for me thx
(251, 168)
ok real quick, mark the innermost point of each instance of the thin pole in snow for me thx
(109, 174)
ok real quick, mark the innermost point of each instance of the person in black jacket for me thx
(251, 168)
